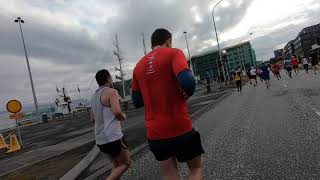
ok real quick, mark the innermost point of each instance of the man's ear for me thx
(168, 43)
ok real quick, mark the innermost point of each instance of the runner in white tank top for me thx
(107, 115)
(253, 73)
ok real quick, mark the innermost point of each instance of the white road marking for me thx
(284, 83)
(316, 111)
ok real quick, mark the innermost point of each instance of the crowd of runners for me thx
(289, 65)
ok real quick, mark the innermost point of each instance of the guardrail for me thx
(30, 121)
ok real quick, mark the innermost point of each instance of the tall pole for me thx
(243, 66)
(117, 53)
(19, 20)
(191, 65)
(220, 55)
(144, 44)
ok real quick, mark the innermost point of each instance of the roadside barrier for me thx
(3, 143)
(14, 144)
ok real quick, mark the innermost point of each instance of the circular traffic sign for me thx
(14, 106)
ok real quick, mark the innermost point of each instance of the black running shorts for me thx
(185, 147)
(113, 149)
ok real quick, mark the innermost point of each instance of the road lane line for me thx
(284, 83)
(316, 111)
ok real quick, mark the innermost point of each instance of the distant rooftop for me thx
(300, 33)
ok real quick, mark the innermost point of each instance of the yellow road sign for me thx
(14, 106)
(17, 116)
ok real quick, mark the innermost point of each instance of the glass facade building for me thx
(235, 57)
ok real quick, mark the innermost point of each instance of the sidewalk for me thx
(25, 159)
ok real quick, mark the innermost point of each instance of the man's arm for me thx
(136, 94)
(187, 82)
(183, 73)
(137, 99)
(115, 106)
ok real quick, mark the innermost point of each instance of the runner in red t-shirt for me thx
(162, 82)
(295, 64)
(276, 70)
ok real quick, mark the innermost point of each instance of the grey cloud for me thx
(46, 42)
(137, 18)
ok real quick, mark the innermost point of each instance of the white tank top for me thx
(107, 128)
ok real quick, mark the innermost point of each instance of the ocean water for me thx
(5, 122)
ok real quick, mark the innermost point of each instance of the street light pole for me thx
(220, 55)
(19, 20)
(191, 65)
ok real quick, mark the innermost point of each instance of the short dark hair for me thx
(102, 77)
(159, 37)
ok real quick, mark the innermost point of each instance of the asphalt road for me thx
(257, 134)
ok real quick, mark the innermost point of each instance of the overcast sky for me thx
(69, 40)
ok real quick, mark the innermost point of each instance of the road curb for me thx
(82, 165)
(145, 145)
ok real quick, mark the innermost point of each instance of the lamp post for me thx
(19, 21)
(220, 55)
(191, 65)
(225, 59)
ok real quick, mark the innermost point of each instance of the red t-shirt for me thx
(276, 67)
(295, 61)
(166, 110)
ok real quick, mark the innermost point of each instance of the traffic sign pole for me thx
(14, 106)
(19, 133)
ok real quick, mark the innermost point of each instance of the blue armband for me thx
(137, 99)
(187, 82)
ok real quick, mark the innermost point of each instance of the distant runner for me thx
(265, 74)
(305, 62)
(249, 76)
(253, 73)
(259, 73)
(314, 62)
(237, 79)
(162, 82)
(276, 70)
(107, 115)
(288, 67)
(295, 64)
